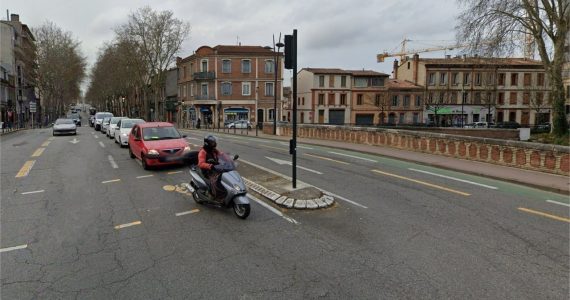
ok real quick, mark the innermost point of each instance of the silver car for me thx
(64, 126)
(110, 131)
(124, 129)
(105, 124)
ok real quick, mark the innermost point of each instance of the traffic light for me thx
(289, 50)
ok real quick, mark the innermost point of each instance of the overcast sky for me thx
(332, 34)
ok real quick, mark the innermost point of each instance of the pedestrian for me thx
(198, 124)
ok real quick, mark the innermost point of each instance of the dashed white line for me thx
(353, 156)
(102, 145)
(456, 179)
(187, 212)
(34, 192)
(109, 181)
(272, 209)
(95, 136)
(112, 161)
(128, 224)
(301, 147)
(13, 248)
(144, 176)
(559, 203)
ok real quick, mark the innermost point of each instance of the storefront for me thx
(455, 116)
(233, 114)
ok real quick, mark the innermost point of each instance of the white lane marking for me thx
(95, 136)
(187, 212)
(144, 176)
(301, 184)
(272, 209)
(112, 161)
(301, 147)
(559, 203)
(92, 132)
(192, 138)
(128, 224)
(353, 156)
(34, 192)
(102, 145)
(284, 162)
(13, 248)
(456, 179)
(109, 181)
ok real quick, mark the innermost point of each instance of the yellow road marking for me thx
(544, 214)
(169, 188)
(46, 143)
(423, 183)
(109, 181)
(174, 172)
(326, 158)
(128, 224)
(38, 152)
(274, 148)
(187, 212)
(26, 168)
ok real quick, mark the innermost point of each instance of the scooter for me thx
(230, 180)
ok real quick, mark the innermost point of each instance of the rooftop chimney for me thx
(15, 18)
(395, 67)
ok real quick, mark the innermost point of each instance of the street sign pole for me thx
(291, 63)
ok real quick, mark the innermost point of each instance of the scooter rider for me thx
(208, 163)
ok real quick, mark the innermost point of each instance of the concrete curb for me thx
(12, 131)
(324, 201)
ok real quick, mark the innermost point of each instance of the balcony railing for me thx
(204, 97)
(204, 75)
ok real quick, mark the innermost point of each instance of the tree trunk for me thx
(559, 122)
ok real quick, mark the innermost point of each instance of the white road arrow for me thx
(284, 162)
(74, 141)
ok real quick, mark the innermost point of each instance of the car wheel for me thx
(144, 163)
(53, 133)
(131, 154)
(75, 133)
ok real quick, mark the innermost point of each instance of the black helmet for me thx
(210, 142)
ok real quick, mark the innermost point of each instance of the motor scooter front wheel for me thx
(242, 210)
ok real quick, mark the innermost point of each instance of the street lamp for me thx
(276, 71)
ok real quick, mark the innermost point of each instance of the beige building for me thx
(464, 90)
(227, 83)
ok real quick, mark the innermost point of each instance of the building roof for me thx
(402, 84)
(367, 73)
(229, 49)
(344, 72)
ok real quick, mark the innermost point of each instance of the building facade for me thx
(464, 90)
(403, 105)
(226, 83)
(566, 76)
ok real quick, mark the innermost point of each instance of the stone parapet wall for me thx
(532, 156)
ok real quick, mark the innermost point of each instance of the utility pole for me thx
(291, 63)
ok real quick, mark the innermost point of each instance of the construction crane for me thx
(403, 52)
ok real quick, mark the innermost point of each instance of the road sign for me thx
(32, 107)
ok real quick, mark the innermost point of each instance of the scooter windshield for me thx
(226, 162)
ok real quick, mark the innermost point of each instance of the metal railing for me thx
(204, 75)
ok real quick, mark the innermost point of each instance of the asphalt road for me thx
(88, 222)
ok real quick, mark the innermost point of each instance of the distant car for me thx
(99, 119)
(241, 124)
(544, 126)
(110, 132)
(76, 118)
(124, 129)
(64, 126)
(480, 125)
(510, 125)
(105, 124)
(157, 143)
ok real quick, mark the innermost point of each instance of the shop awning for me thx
(205, 109)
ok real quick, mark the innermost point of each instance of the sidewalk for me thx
(545, 181)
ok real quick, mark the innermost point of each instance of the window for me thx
(331, 100)
(343, 81)
(465, 78)
(246, 66)
(303, 101)
(526, 79)
(321, 81)
(226, 66)
(321, 99)
(408, 65)
(431, 78)
(342, 99)
(526, 98)
(539, 98)
(395, 100)
(184, 72)
(360, 82)
(406, 100)
(359, 99)
(514, 79)
(377, 100)
(246, 88)
(454, 97)
(331, 80)
(402, 118)
(204, 66)
(455, 78)
(416, 118)
(191, 89)
(204, 89)
(513, 98)
(269, 66)
(477, 98)
(540, 79)
(501, 98)
(271, 114)
(418, 101)
(442, 97)
(226, 88)
(477, 78)
(501, 78)
(465, 98)
(269, 89)
(442, 78)
(377, 81)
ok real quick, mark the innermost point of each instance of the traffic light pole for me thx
(291, 63)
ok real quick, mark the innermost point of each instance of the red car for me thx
(157, 144)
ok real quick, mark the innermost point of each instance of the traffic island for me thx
(278, 189)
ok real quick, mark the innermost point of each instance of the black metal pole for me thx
(294, 146)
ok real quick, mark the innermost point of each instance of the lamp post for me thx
(462, 103)
(276, 71)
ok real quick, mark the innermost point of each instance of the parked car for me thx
(480, 125)
(76, 118)
(110, 132)
(240, 124)
(510, 124)
(124, 129)
(105, 124)
(99, 119)
(157, 144)
(64, 126)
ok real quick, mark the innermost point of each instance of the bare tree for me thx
(435, 102)
(496, 27)
(61, 68)
(382, 102)
(158, 37)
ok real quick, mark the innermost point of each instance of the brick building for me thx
(227, 83)
(473, 89)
